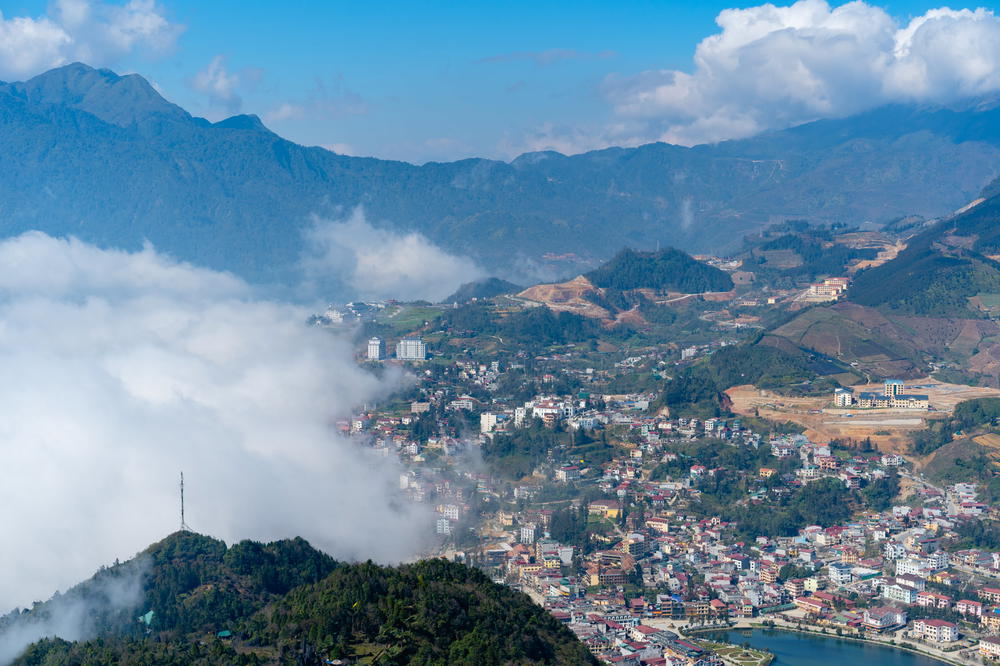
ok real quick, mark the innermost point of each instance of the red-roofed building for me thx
(936, 631)
(968, 607)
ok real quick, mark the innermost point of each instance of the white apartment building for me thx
(376, 349)
(411, 349)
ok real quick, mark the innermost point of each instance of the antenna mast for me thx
(184, 525)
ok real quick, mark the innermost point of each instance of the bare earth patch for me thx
(889, 429)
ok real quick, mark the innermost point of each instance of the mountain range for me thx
(106, 158)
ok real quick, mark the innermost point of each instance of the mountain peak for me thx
(243, 121)
(120, 100)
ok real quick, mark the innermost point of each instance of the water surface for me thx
(795, 649)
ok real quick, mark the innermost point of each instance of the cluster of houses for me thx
(649, 563)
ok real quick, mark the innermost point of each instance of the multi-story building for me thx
(883, 618)
(989, 647)
(893, 387)
(487, 422)
(843, 397)
(840, 573)
(376, 349)
(990, 594)
(899, 593)
(968, 607)
(528, 533)
(936, 631)
(927, 599)
(411, 349)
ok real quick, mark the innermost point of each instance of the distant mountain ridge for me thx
(106, 158)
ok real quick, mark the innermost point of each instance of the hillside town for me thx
(610, 525)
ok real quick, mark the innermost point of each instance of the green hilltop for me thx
(663, 270)
(285, 602)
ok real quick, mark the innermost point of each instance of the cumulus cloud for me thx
(99, 33)
(121, 369)
(771, 67)
(352, 255)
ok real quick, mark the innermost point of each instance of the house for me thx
(570, 473)
(967, 607)
(990, 595)
(989, 647)
(991, 622)
(795, 587)
(936, 631)
(899, 593)
(927, 599)
(883, 618)
(605, 508)
(810, 605)
(840, 573)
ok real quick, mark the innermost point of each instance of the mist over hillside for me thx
(105, 158)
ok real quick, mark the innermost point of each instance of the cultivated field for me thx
(888, 428)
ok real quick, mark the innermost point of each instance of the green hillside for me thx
(766, 363)
(940, 270)
(480, 289)
(287, 603)
(664, 270)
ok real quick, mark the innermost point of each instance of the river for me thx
(795, 649)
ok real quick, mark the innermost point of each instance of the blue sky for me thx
(423, 81)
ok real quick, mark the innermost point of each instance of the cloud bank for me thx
(121, 369)
(771, 67)
(98, 33)
(352, 256)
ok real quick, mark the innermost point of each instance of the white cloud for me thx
(121, 369)
(340, 148)
(98, 33)
(219, 84)
(379, 263)
(772, 67)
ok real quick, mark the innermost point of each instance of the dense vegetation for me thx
(697, 391)
(516, 454)
(432, 612)
(531, 327)
(984, 534)
(970, 415)
(776, 511)
(665, 270)
(481, 289)
(191, 583)
(928, 278)
(813, 246)
(824, 502)
(287, 603)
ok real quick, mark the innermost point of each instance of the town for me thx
(641, 531)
